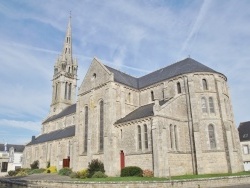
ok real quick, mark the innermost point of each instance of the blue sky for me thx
(135, 36)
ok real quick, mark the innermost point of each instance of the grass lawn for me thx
(184, 177)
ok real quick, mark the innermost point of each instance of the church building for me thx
(174, 121)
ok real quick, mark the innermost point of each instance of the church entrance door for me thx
(122, 159)
(66, 163)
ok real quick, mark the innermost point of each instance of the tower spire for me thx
(65, 76)
(67, 47)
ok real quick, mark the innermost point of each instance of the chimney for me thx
(33, 138)
(5, 147)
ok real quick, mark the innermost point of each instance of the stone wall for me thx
(197, 183)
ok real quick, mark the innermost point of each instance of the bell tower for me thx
(65, 77)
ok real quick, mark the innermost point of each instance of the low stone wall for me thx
(197, 183)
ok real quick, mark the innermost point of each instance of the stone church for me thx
(174, 121)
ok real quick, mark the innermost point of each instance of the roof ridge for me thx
(165, 67)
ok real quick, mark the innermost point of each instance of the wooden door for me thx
(122, 159)
(66, 163)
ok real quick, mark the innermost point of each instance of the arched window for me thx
(171, 136)
(129, 97)
(69, 69)
(178, 87)
(226, 107)
(211, 105)
(204, 105)
(65, 50)
(175, 137)
(101, 131)
(146, 136)
(56, 91)
(204, 84)
(55, 70)
(139, 137)
(232, 136)
(211, 135)
(86, 116)
(66, 88)
(69, 96)
(152, 96)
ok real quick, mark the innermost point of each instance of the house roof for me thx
(55, 135)
(244, 131)
(67, 111)
(185, 66)
(141, 112)
(17, 148)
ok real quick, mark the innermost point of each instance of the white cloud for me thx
(29, 125)
(135, 37)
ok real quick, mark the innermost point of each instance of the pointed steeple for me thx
(65, 76)
(67, 48)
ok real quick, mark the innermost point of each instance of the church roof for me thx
(123, 78)
(185, 66)
(55, 135)
(17, 148)
(141, 112)
(67, 111)
(244, 131)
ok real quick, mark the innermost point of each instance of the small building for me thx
(244, 134)
(11, 157)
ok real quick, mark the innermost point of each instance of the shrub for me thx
(131, 171)
(83, 174)
(34, 165)
(147, 173)
(48, 164)
(51, 169)
(22, 173)
(12, 173)
(99, 174)
(19, 172)
(94, 166)
(73, 175)
(37, 171)
(65, 171)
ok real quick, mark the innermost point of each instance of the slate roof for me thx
(123, 78)
(185, 66)
(17, 148)
(55, 135)
(244, 131)
(67, 111)
(141, 112)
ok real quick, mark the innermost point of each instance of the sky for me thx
(134, 36)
